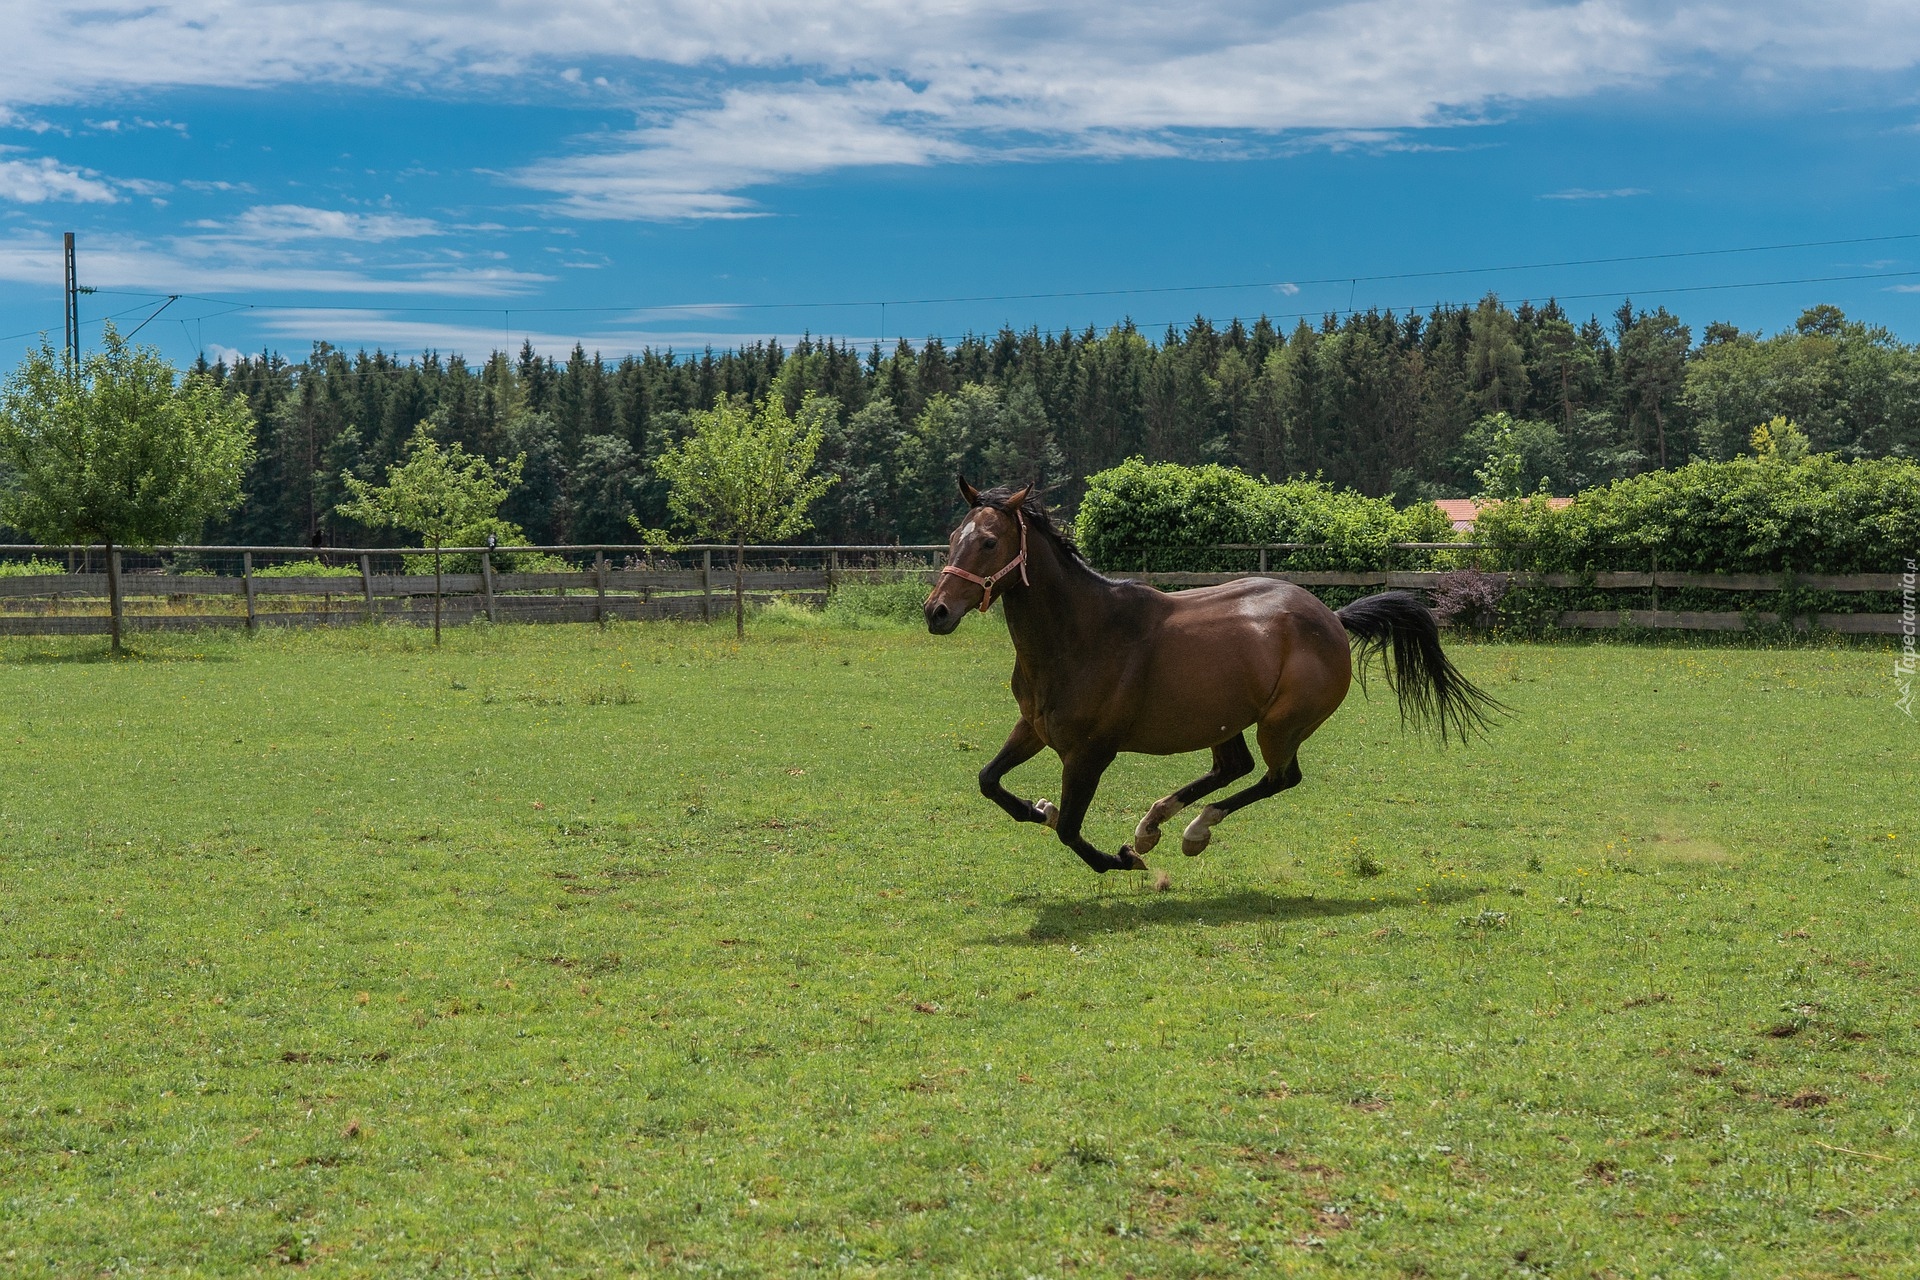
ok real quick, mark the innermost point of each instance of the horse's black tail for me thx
(1398, 628)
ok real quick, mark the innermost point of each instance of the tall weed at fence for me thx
(897, 602)
(308, 569)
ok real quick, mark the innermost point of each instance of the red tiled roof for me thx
(1464, 511)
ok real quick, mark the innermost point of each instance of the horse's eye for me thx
(991, 543)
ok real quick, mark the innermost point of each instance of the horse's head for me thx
(985, 555)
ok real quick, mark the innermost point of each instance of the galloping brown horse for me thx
(1103, 667)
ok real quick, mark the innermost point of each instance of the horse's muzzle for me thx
(942, 617)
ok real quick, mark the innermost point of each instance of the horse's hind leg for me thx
(1280, 748)
(1231, 760)
(1022, 745)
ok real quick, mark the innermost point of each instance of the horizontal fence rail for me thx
(194, 587)
(1608, 619)
(1428, 578)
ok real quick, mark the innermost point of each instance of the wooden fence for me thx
(698, 582)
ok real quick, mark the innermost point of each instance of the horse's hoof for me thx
(1131, 861)
(1048, 814)
(1199, 832)
(1147, 834)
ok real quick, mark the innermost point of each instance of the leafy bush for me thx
(512, 562)
(1511, 457)
(1163, 516)
(307, 569)
(1750, 515)
(1467, 597)
(30, 566)
(421, 564)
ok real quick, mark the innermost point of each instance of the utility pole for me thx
(73, 310)
(74, 290)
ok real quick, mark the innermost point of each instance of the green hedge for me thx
(1163, 516)
(1750, 515)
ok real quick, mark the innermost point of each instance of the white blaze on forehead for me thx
(968, 537)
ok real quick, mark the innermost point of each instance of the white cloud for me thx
(213, 265)
(1583, 193)
(690, 166)
(134, 122)
(11, 119)
(43, 178)
(281, 222)
(733, 94)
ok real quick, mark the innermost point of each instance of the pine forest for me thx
(1400, 405)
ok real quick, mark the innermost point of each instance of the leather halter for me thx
(989, 583)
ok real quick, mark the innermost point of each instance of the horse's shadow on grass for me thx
(1073, 921)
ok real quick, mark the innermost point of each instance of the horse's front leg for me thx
(1079, 779)
(1022, 745)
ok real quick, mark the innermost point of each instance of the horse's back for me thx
(1258, 602)
(1237, 654)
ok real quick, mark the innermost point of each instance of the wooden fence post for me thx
(366, 585)
(486, 585)
(600, 588)
(1263, 559)
(246, 584)
(706, 586)
(833, 572)
(113, 595)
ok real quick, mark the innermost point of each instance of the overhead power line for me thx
(229, 306)
(1351, 279)
(746, 338)
(171, 299)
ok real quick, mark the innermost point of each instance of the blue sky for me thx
(677, 174)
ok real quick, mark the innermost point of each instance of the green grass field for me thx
(560, 952)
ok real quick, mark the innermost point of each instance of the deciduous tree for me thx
(118, 450)
(444, 495)
(746, 475)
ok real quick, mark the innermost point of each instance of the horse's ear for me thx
(967, 491)
(1019, 499)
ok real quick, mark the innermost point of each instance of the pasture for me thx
(566, 952)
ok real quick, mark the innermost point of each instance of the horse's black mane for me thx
(1039, 518)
